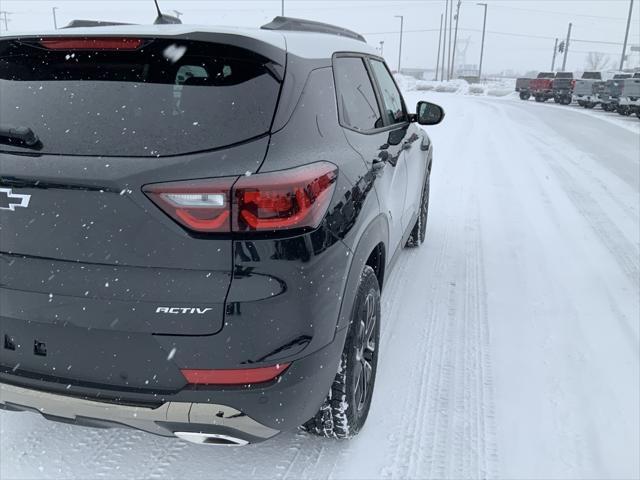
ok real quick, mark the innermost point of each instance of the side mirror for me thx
(429, 113)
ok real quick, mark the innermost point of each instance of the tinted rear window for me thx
(564, 75)
(168, 97)
(546, 75)
(592, 76)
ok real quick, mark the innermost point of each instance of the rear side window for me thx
(394, 111)
(166, 97)
(357, 104)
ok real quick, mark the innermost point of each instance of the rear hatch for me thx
(563, 81)
(83, 250)
(631, 88)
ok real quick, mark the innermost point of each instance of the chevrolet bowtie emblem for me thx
(11, 201)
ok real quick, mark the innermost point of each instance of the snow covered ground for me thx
(511, 339)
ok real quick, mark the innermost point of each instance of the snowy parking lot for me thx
(510, 339)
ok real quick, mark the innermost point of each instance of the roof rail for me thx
(302, 25)
(92, 23)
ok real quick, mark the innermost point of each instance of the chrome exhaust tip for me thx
(210, 439)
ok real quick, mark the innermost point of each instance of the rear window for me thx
(564, 75)
(546, 75)
(592, 76)
(167, 97)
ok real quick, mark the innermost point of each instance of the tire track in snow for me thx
(450, 431)
(624, 252)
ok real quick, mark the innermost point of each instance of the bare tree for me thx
(596, 61)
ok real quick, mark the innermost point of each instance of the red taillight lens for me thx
(200, 205)
(296, 198)
(98, 43)
(274, 201)
(243, 376)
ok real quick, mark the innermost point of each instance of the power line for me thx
(568, 14)
(496, 32)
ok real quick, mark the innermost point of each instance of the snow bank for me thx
(491, 88)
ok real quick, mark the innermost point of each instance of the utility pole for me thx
(55, 20)
(439, 45)
(282, 9)
(381, 48)
(566, 48)
(401, 17)
(455, 42)
(450, 32)
(444, 39)
(626, 36)
(484, 29)
(555, 51)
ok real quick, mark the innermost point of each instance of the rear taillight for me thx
(284, 200)
(199, 205)
(97, 43)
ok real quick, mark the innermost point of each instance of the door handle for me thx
(379, 162)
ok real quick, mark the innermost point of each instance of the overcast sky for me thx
(520, 33)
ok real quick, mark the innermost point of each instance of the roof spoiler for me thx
(302, 25)
(92, 23)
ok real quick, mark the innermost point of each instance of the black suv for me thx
(196, 224)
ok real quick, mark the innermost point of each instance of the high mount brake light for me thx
(96, 43)
(243, 376)
(274, 201)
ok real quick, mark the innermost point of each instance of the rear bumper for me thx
(231, 415)
(635, 101)
(186, 420)
(579, 97)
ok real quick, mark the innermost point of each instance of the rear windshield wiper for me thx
(19, 136)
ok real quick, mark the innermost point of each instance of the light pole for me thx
(381, 48)
(439, 45)
(401, 17)
(444, 39)
(55, 20)
(455, 41)
(5, 20)
(626, 36)
(450, 32)
(282, 8)
(484, 29)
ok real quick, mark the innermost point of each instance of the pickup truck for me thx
(542, 86)
(562, 87)
(630, 95)
(523, 88)
(584, 91)
(609, 92)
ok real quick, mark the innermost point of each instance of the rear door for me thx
(81, 244)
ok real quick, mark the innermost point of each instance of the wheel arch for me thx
(370, 250)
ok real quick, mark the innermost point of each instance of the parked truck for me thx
(609, 92)
(584, 90)
(542, 86)
(630, 95)
(562, 87)
(523, 87)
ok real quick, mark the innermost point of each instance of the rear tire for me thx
(345, 410)
(524, 96)
(538, 98)
(419, 231)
